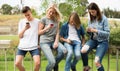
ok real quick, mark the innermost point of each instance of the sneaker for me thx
(87, 68)
(55, 68)
(73, 68)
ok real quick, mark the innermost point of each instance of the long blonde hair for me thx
(57, 12)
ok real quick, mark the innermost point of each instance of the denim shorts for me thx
(32, 52)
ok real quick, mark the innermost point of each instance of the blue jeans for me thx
(47, 50)
(72, 48)
(101, 48)
(32, 52)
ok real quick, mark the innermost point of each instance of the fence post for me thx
(117, 59)
(14, 58)
(5, 59)
(108, 59)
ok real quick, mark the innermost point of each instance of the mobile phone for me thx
(51, 24)
(27, 23)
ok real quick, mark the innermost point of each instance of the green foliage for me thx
(65, 9)
(80, 6)
(6, 9)
(44, 5)
(30, 64)
(16, 10)
(34, 13)
(115, 36)
(111, 13)
(77, 5)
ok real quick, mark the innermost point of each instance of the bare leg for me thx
(36, 59)
(18, 62)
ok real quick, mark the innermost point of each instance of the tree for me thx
(6, 9)
(65, 9)
(79, 6)
(16, 10)
(34, 13)
(44, 5)
(68, 6)
(111, 13)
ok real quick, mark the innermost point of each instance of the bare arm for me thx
(56, 38)
(21, 33)
(42, 30)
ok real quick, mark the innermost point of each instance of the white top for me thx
(72, 35)
(30, 37)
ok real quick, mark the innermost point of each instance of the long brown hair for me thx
(94, 6)
(76, 19)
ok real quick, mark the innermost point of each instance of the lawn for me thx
(29, 65)
(8, 37)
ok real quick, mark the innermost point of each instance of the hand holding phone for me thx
(51, 25)
(27, 25)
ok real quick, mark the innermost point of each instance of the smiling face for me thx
(51, 13)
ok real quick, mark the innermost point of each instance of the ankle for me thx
(87, 68)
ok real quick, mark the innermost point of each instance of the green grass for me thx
(29, 65)
(8, 37)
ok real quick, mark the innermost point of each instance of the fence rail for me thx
(7, 53)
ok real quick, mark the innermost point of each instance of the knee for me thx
(85, 49)
(37, 64)
(52, 63)
(97, 61)
(70, 53)
(17, 64)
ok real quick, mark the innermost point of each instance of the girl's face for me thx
(51, 13)
(93, 12)
(71, 21)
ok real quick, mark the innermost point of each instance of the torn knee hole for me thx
(85, 49)
(97, 61)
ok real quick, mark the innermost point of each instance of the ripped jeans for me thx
(101, 48)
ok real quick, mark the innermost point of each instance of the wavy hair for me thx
(57, 12)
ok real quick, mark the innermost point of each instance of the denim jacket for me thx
(65, 30)
(103, 29)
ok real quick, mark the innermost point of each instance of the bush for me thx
(115, 36)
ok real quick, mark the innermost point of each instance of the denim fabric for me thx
(101, 48)
(73, 48)
(32, 52)
(103, 29)
(101, 68)
(47, 49)
(65, 29)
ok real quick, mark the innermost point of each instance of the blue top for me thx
(102, 27)
(65, 30)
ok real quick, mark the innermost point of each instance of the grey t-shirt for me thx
(49, 35)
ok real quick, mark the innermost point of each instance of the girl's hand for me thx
(69, 41)
(55, 45)
(91, 30)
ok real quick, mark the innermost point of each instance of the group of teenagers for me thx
(68, 40)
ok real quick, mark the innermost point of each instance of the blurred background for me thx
(10, 14)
